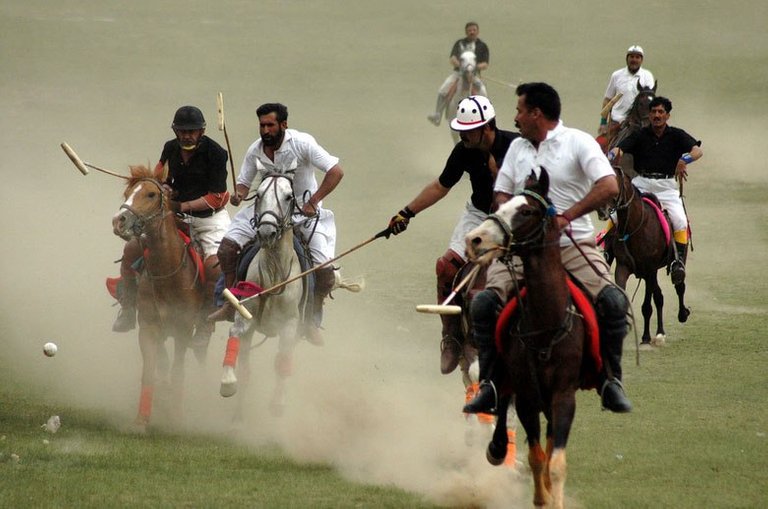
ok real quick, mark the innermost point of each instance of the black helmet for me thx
(188, 118)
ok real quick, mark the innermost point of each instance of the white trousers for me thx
(666, 190)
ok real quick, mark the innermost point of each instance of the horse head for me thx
(467, 62)
(144, 205)
(518, 224)
(273, 207)
(639, 113)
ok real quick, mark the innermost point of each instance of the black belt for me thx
(656, 175)
(204, 213)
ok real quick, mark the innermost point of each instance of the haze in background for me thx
(361, 77)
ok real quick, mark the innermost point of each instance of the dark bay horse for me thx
(169, 289)
(543, 352)
(637, 118)
(641, 247)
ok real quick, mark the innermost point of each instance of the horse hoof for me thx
(228, 390)
(496, 454)
(659, 340)
(682, 316)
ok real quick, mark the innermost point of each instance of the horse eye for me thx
(152, 194)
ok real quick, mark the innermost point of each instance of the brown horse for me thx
(641, 247)
(542, 353)
(169, 289)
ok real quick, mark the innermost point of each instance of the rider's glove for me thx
(399, 222)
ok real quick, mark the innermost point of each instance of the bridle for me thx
(535, 237)
(280, 219)
(143, 220)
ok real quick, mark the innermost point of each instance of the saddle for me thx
(592, 362)
(115, 284)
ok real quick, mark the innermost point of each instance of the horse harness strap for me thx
(561, 332)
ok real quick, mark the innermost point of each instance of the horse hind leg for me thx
(658, 301)
(647, 310)
(683, 312)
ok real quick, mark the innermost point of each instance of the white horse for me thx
(275, 314)
(469, 83)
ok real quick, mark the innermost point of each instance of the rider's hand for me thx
(399, 221)
(235, 199)
(309, 209)
(602, 130)
(681, 171)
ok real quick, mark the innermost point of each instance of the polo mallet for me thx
(81, 165)
(223, 127)
(238, 304)
(444, 308)
(609, 106)
(494, 80)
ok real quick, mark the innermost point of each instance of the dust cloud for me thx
(107, 78)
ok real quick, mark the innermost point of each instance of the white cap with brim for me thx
(638, 50)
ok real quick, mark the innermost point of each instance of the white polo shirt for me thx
(574, 162)
(625, 82)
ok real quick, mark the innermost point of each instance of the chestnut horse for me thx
(274, 314)
(542, 353)
(169, 295)
(641, 247)
(637, 118)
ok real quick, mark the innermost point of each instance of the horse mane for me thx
(138, 173)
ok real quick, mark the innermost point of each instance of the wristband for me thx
(611, 155)
(406, 212)
(687, 158)
(603, 121)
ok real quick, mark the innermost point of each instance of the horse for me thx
(469, 83)
(169, 297)
(641, 243)
(275, 314)
(637, 118)
(543, 352)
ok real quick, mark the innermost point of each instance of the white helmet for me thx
(635, 50)
(473, 111)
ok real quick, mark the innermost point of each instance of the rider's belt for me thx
(656, 175)
(204, 213)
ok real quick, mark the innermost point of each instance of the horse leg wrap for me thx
(145, 402)
(284, 364)
(233, 349)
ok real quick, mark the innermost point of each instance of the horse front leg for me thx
(658, 302)
(180, 342)
(148, 344)
(497, 447)
(563, 412)
(682, 310)
(228, 385)
(289, 336)
(647, 310)
(528, 415)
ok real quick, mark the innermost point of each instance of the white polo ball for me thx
(50, 349)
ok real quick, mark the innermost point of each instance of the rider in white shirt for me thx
(625, 81)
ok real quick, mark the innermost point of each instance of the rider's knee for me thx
(448, 265)
(485, 307)
(611, 307)
(228, 254)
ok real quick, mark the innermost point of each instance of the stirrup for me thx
(486, 400)
(677, 272)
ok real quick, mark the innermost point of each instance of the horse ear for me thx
(655, 86)
(544, 181)
(531, 180)
(161, 171)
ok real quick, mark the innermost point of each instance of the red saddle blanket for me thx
(114, 283)
(593, 362)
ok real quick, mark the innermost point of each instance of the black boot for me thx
(611, 306)
(324, 281)
(677, 268)
(484, 310)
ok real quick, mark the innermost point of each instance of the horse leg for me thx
(244, 370)
(148, 345)
(228, 385)
(283, 365)
(528, 416)
(563, 412)
(497, 447)
(647, 310)
(177, 377)
(682, 311)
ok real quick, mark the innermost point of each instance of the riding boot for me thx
(324, 281)
(451, 345)
(611, 307)
(439, 109)
(126, 317)
(484, 309)
(677, 268)
(228, 255)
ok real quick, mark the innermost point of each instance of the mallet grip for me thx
(236, 304)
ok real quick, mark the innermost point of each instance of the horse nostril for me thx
(476, 241)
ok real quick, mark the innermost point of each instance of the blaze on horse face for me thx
(513, 224)
(143, 205)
